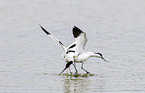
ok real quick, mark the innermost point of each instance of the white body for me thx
(75, 53)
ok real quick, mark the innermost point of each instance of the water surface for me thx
(30, 61)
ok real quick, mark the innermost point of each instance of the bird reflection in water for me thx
(76, 85)
(83, 83)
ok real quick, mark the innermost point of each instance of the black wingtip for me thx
(75, 27)
(44, 30)
(76, 31)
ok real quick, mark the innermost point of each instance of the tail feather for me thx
(54, 38)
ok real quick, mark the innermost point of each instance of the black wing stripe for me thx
(45, 30)
(76, 32)
(61, 43)
(70, 51)
(72, 46)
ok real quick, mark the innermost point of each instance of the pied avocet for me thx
(76, 52)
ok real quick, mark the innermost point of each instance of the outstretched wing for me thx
(54, 38)
(80, 38)
(80, 41)
(76, 32)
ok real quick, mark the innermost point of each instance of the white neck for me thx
(92, 54)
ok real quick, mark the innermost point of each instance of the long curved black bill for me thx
(66, 66)
(62, 71)
(102, 57)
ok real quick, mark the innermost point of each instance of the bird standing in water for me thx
(76, 52)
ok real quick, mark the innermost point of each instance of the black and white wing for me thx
(80, 40)
(54, 38)
(80, 37)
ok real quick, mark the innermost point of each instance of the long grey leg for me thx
(84, 69)
(70, 71)
(75, 68)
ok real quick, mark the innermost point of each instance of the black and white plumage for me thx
(75, 53)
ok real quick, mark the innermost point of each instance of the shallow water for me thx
(30, 61)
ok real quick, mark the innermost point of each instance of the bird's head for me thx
(99, 55)
(67, 66)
